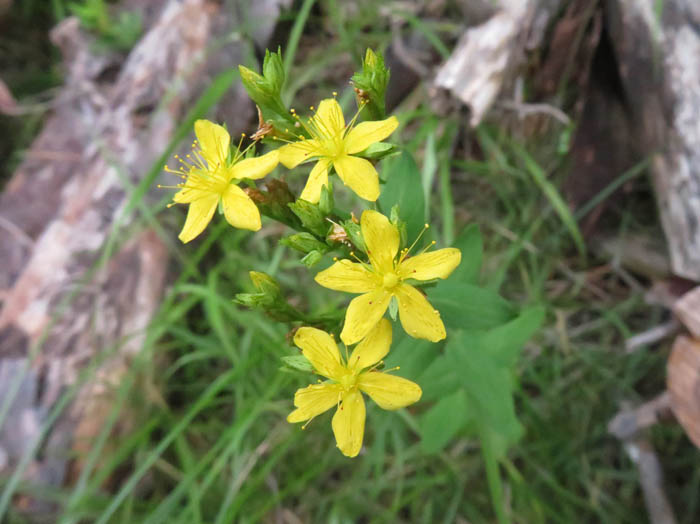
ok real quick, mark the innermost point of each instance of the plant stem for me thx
(494, 480)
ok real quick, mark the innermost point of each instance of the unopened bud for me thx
(311, 217)
(264, 283)
(304, 242)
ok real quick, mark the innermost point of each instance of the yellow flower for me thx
(385, 278)
(348, 380)
(211, 176)
(334, 144)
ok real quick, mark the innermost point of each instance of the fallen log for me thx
(61, 308)
(659, 62)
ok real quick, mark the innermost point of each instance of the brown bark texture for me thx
(658, 51)
(63, 304)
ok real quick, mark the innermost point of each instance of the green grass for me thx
(196, 431)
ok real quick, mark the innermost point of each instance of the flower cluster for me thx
(373, 264)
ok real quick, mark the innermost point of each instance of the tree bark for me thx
(61, 309)
(659, 62)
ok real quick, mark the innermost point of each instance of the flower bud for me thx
(355, 235)
(326, 203)
(304, 242)
(265, 89)
(370, 84)
(273, 70)
(264, 283)
(311, 216)
(312, 258)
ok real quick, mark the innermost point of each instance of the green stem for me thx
(493, 478)
(295, 35)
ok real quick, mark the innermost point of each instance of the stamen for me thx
(367, 266)
(406, 251)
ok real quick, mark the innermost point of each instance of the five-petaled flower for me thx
(334, 144)
(348, 380)
(211, 174)
(385, 278)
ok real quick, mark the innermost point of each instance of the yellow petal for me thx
(198, 216)
(359, 175)
(329, 118)
(365, 134)
(381, 239)
(294, 154)
(321, 350)
(192, 191)
(349, 424)
(256, 167)
(363, 314)
(434, 264)
(418, 317)
(213, 141)
(373, 347)
(389, 391)
(239, 209)
(347, 276)
(314, 400)
(317, 179)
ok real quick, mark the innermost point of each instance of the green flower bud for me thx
(370, 84)
(304, 242)
(264, 283)
(326, 203)
(312, 258)
(273, 70)
(311, 217)
(355, 235)
(265, 89)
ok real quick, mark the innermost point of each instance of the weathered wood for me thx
(112, 120)
(659, 64)
(687, 308)
(629, 426)
(683, 383)
(490, 55)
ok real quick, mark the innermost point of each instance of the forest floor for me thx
(189, 453)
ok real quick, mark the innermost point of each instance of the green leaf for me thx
(507, 340)
(404, 188)
(489, 388)
(439, 379)
(299, 362)
(466, 306)
(413, 355)
(443, 421)
(471, 245)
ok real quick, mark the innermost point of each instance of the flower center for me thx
(390, 280)
(348, 381)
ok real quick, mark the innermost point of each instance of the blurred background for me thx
(132, 387)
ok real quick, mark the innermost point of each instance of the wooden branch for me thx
(628, 425)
